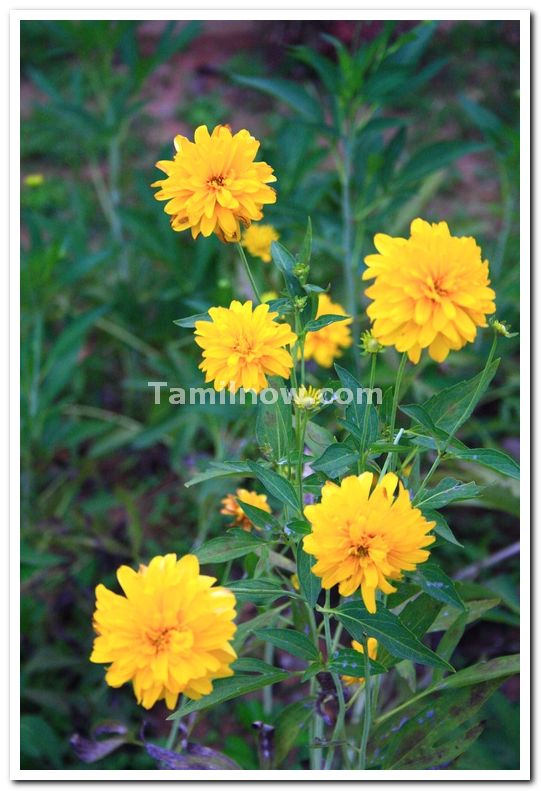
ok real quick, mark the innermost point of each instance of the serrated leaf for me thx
(235, 544)
(323, 321)
(276, 485)
(286, 91)
(436, 584)
(451, 407)
(291, 641)
(257, 590)
(309, 584)
(229, 688)
(389, 631)
(259, 517)
(489, 457)
(289, 726)
(349, 662)
(474, 609)
(441, 529)
(434, 157)
(336, 460)
(447, 491)
(223, 469)
(189, 321)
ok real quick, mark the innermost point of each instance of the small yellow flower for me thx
(308, 398)
(232, 508)
(169, 634)
(430, 291)
(372, 654)
(257, 239)
(326, 344)
(242, 345)
(363, 537)
(213, 184)
(34, 180)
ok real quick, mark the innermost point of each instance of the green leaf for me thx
(449, 641)
(310, 585)
(273, 428)
(229, 688)
(258, 590)
(223, 469)
(286, 264)
(450, 408)
(434, 157)
(349, 382)
(336, 460)
(306, 249)
(260, 518)
(323, 321)
(276, 485)
(441, 529)
(489, 457)
(318, 438)
(235, 544)
(291, 641)
(289, 726)
(349, 662)
(297, 528)
(419, 414)
(287, 91)
(389, 631)
(435, 583)
(475, 609)
(447, 491)
(189, 321)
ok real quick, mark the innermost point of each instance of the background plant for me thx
(103, 278)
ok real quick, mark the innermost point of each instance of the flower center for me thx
(170, 639)
(216, 182)
(435, 289)
(160, 639)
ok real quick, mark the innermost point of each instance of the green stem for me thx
(449, 439)
(367, 707)
(348, 261)
(172, 735)
(339, 727)
(316, 722)
(363, 455)
(248, 271)
(396, 393)
(301, 428)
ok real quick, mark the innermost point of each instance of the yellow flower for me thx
(309, 398)
(372, 654)
(213, 184)
(169, 634)
(257, 239)
(325, 344)
(241, 345)
(295, 582)
(430, 291)
(363, 538)
(232, 508)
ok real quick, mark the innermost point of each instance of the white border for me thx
(308, 13)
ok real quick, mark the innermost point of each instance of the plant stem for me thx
(348, 261)
(363, 454)
(301, 427)
(473, 400)
(396, 392)
(367, 707)
(172, 735)
(339, 727)
(248, 271)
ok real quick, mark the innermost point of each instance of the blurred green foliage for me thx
(103, 278)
